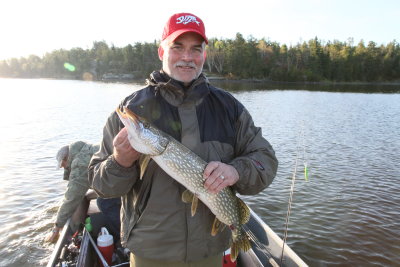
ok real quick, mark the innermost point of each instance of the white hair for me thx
(165, 43)
(62, 154)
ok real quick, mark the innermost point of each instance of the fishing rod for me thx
(261, 247)
(292, 186)
(289, 209)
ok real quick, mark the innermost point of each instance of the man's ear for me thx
(205, 54)
(160, 52)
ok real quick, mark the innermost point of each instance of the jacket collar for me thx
(175, 93)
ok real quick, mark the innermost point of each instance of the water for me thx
(347, 214)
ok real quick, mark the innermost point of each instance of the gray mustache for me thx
(185, 64)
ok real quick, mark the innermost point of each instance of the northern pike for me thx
(187, 168)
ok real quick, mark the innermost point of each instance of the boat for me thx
(266, 245)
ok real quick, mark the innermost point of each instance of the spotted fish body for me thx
(187, 168)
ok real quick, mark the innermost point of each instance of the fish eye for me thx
(146, 125)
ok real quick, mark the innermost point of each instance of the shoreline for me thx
(304, 82)
(223, 79)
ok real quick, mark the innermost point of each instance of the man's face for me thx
(64, 163)
(184, 58)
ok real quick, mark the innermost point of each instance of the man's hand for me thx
(123, 152)
(52, 237)
(218, 175)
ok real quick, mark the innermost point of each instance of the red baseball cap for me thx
(181, 23)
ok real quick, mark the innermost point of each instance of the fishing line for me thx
(304, 153)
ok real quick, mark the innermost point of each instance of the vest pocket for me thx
(217, 151)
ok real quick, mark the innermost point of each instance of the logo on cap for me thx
(181, 23)
(187, 19)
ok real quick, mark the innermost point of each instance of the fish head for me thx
(143, 137)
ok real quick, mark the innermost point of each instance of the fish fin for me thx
(242, 243)
(217, 226)
(143, 162)
(187, 196)
(195, 202)
(244, 212)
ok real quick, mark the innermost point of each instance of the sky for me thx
(36, 27)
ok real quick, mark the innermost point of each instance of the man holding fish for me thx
(177, 151)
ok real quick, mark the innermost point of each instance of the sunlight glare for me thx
(69, 67)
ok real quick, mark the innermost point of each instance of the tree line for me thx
(237, 58)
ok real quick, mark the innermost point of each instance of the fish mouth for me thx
(128, 114)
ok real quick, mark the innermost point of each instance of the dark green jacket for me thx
(76, 173)
(156, 224)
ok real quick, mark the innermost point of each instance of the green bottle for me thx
(88, 224)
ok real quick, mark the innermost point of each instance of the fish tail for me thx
(242, 242)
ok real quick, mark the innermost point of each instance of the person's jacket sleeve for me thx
(76, 190)
(255, 162)
(106, 176)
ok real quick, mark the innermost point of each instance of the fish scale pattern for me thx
(187, 168)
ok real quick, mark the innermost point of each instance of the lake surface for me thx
(346, 214)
